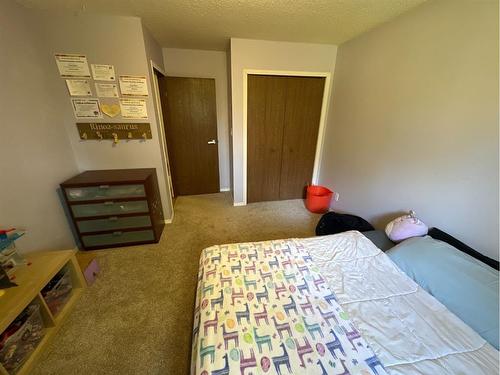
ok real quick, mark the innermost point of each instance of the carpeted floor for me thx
(137, 317)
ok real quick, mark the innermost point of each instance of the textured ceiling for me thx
(208, 24)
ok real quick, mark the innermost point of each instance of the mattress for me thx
(438, 268)
(325, 305)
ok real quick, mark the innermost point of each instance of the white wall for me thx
(207, 64)
(414, 121)
(105, 40)
(35, 152)
(267, 55)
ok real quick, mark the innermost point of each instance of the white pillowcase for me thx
(405, 227)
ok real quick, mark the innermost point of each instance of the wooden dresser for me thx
(116, 207)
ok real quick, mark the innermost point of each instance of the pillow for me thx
(466, 286)
(405, 227)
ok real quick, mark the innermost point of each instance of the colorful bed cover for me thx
(265, 308)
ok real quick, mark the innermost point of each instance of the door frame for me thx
(322, 121)
(161, 134)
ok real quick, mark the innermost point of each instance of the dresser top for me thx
(110, 176)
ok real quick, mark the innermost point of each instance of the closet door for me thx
(283, 116)
(304, 98)
(265, 116)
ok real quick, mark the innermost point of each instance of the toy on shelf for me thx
(9, 257)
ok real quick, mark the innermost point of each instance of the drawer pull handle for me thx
(113, 218)
(117, 234)
(104, 187)
(109, 203)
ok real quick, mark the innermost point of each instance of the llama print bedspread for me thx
(264, 308)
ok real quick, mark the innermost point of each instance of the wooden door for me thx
(190, 120)
(283, 114)
(266, 110)
(304, 98)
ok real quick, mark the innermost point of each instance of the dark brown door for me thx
(282, 130)
(304, 98)
(266, 111)
(190, 120)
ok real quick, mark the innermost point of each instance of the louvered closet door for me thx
(304, 97)
(282, 128)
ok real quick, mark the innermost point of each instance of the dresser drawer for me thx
(112, 223)
(104, 192)
(117, 238)
(109, 208)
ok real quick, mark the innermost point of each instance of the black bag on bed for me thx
(332, 222)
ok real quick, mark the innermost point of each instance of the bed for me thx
(324, 305)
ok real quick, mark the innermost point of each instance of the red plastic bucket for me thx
(318, 198)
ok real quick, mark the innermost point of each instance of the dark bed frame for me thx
(438, 234)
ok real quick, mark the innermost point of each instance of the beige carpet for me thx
(137, 317)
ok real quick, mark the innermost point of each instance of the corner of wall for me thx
(153, 49)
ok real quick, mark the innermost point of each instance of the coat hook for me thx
(115, 138)
(99, 135)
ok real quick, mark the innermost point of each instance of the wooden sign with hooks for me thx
(114, 131)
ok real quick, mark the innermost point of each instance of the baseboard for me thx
(225, 189)
(169, 221)
(239, 204)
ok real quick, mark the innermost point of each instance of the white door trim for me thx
(322, 120)
(161, 135)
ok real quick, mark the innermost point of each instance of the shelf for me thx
(63, 314)
(31, 280)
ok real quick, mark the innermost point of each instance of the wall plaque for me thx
(114, 131)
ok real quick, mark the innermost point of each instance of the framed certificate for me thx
(72, 65)
(134, 85)
(86, 108)
(134, 108)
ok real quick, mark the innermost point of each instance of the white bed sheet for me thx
(408, 329)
